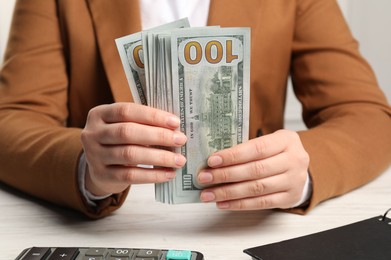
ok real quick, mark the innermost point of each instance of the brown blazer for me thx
(62, 60)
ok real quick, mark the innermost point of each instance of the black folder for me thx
(364, 240)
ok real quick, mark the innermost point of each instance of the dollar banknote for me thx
(132, 54)
(211, 73)
(201, 75)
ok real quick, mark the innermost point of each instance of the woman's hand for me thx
(120, 136)
(263, 173)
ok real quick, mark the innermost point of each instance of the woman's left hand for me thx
(262, 173)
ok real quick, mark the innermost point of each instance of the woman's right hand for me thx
(118, 137)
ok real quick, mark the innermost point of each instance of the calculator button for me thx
(93, 258)
(121, 252)
(178, 255)
(96, 252)
(150, 254)
(63, 253)
(37, 253)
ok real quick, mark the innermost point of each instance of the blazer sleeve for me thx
(39, 154)
(349, 136)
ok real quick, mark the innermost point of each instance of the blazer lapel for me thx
(113, 19)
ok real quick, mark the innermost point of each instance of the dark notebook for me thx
(365, 240)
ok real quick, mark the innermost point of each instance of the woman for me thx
(70, 134)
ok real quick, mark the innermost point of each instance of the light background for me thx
(369, 21)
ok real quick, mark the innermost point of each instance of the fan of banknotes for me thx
(200, 74)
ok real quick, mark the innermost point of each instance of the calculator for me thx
(98, 253)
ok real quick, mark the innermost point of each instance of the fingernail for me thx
(180, 160)
(173, 121)
(207, 196)
(214, 161)
(205, 177)
(170, 175)
(179, 138)
(223, 205)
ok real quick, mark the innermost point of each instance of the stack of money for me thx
(201, 75)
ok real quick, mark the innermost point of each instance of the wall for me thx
(6, 7)
(371, 22)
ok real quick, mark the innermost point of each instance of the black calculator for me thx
(98, 253)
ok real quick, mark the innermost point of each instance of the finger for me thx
(243, 172)
(137, 175)
(131, 112)
(255, 149)
(133, 133)
(274, 184)
(270, 201)
(134, 154)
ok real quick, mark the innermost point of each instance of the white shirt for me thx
(158, 12)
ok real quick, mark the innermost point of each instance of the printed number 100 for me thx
(214, 52)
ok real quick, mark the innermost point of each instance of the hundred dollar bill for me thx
(135, 56)
(210, 78)
(132, 54)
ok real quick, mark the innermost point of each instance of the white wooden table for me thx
(144, 223)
